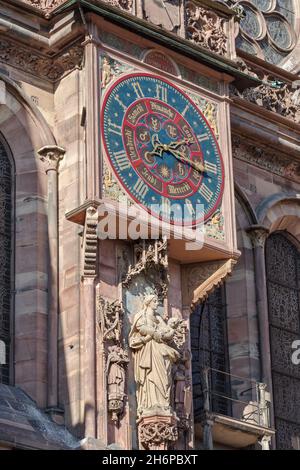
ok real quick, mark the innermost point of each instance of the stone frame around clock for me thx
(126, 76)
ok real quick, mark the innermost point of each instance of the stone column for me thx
(258, 235)
(51, 156)
(92, 98)
(89, 273)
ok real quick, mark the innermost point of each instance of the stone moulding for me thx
(47, 6)
(90, 244)
(202, 279)
(39, 65)
(272, 161)
(275, 94)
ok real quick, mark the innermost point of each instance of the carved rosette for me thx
(157, 432)
(205, 28)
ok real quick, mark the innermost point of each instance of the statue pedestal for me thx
(157, 432)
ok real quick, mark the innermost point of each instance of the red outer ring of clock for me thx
(162, 79)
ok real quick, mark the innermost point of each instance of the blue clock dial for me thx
(162, 149)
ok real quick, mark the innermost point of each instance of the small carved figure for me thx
(210, 114)
(116, 363)
(107, 74)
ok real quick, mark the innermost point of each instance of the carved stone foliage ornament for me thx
(271, 161)
(158, 435)
(123, 4)
(258, 236)
(205, 28)
(278, 97)
(29, 61)
(46, 6)
(110, 320)
(51, 155)
(150, 255)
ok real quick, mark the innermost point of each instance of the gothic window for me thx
(209, 349)
(268, 29)
(283, 282)
(5, 261)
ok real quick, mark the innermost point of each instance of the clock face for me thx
(162, 149)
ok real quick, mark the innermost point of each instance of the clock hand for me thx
(174, 145)
(196, 165)
(158, 147)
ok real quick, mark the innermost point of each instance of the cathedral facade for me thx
(150, 224)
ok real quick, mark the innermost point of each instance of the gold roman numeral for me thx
(206, 192)
(122, 160)
(162, 93)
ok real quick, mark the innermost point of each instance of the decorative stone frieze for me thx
(278, 97)
(205, 28)
(271, 161)
(46, 6)
(39, 65)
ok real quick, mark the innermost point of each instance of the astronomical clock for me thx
(165, 170)
(161, 148)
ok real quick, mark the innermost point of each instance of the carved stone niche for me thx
(201, 279)
(150, 256)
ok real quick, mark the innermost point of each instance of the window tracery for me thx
(268, 29)
(283, 283)
(5, 259)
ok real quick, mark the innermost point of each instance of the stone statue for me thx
(107, 74)
(116, 363)
(153, 359)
